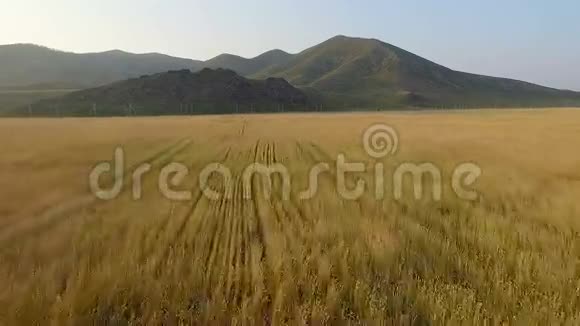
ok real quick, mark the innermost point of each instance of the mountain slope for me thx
(341, 73)
(26, 64)
(32, 65)
(251, 66)
(370, 72)
(177, 92)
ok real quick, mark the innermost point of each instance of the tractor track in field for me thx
(252, 257)
(160, 229)
(256, 209)
(234, 260)
(214, 231)
(162, 157)
(243, 128)
(147, 256)
(220, 248)
(62, 211)
(293, 220)
(264, 229)
(230, 246)
(183, 224)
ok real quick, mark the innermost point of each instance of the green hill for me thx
(368, 72)
(251, 66)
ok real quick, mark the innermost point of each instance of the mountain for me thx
(368, 72)
(341, 73)
(252, 66)
(33, 66)
(177, 92)
(27, 64)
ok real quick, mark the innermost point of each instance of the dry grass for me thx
(512, 257)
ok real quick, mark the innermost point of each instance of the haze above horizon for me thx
(532, 40)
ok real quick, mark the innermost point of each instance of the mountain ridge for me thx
(27, 64)
(340, 72)
(248, 66)
(371, 72)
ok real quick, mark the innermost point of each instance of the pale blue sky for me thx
(533, 40)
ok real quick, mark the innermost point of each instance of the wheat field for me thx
(510, 257)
